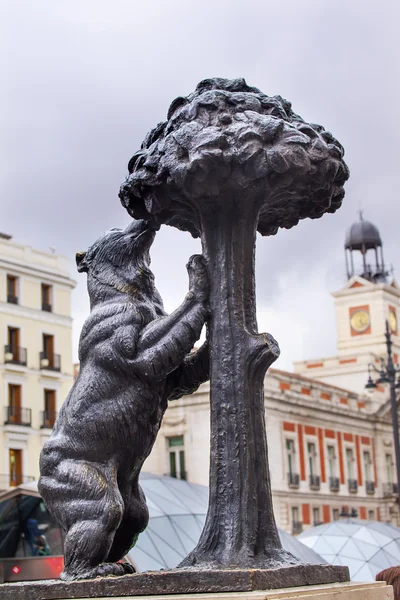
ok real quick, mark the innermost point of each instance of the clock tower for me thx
(368, 299)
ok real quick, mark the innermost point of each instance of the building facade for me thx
(329, 455)
(36, 369)
(330, 443)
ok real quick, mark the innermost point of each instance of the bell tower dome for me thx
(362, 237)
(366, 301)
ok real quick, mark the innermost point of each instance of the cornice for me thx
(27, 269)
(35, 314)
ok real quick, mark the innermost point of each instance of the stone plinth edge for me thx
(178, 581)
(335, 591)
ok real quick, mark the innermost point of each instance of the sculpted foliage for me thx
(228, 139)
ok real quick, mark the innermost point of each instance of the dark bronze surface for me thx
(133, 359)
(228, 162)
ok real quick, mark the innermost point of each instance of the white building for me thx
(36, 359)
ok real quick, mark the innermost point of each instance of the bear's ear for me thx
(81, 262)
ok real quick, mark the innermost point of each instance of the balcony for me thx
(15, 355)
(11, 299)
(370, 487)
(47, 307)
(353, 486)
(6, 481)
(50, 361)
(315, 482)
(334, 484)
(15, 415)
(389, 489)
(293, 481)
(297, 527)
(48, 419)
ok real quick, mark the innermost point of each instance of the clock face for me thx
(360, 321)
(392, 321)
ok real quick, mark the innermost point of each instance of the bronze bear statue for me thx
(133, 359)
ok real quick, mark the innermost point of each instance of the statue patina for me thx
(228, 162)
(133, 359)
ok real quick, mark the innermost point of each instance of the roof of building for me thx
(311, 381)
(362, 234)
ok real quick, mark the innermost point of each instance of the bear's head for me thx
(118, 263)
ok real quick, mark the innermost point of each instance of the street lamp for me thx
(387, 374)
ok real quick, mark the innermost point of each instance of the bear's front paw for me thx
(198, 277)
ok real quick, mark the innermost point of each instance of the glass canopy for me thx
(366, 547)
(177, 513)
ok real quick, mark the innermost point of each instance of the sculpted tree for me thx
(230, 161)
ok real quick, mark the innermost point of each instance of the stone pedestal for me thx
(336, 591)
(182, 581)
(331, 591)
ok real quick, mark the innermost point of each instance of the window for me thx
(371, 515)
(367, 465)
(335, 514)
(312, 458)
(49, 414)
(295, 514)
(291, 457)
(176, 457)
(48, 345)
(48, 359)
(350, 462)
(12, 349)
(316, 516)
(389, 468)
(15, 465)
(297, 525)
(47, 297)
(331, 461)
(12, 291)
(14, 403)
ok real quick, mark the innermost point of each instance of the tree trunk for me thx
(240, 529)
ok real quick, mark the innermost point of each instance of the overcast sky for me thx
(84, 80)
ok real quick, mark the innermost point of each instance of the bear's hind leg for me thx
(134, 521)
(85, 499)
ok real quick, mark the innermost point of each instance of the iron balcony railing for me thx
(48, 419)
(389, 489)
(370, 487)
(7, 481)
(315, 482)
(47, 307)
(15, 355)
(293, 480)
(334, 484)
(51, 361)
(16, 415)
(11, 299)
(297, 527)
(353, 485)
